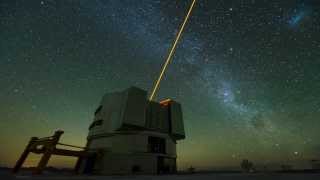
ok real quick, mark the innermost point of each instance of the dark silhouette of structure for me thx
(286, 167)
(315, 164)
(247, 166)
(129, 135)
(47, 147)
(133, 135)
(191, 170)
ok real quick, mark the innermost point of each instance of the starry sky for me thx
(247, 73)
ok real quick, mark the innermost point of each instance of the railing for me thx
(47, 147)
(69, 145)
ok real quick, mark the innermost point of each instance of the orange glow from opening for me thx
(165, 102)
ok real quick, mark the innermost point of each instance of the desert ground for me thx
(197, 176)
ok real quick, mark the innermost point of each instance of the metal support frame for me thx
(47, 147)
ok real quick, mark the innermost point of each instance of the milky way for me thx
(246, 73)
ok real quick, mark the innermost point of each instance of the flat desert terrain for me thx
(203, 176)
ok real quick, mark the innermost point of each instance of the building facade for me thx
(132, 135)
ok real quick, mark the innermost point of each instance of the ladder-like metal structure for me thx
(47, 147)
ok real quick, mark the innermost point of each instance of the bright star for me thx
(297, 18)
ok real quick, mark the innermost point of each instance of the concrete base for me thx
(130, 153)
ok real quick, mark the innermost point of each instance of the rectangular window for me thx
(156, 145)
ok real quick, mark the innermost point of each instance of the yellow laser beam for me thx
(156, 86)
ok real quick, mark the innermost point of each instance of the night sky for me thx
(247, 73)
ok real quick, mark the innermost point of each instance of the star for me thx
(245, 72)
(16, 90)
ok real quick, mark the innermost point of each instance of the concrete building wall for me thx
(127, 132)
(120, 153)
(130, 108)
(134, 111)
(125, 163)
(119, 109)
(177, 126)
(125, 143)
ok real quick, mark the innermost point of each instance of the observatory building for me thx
(130, 134)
